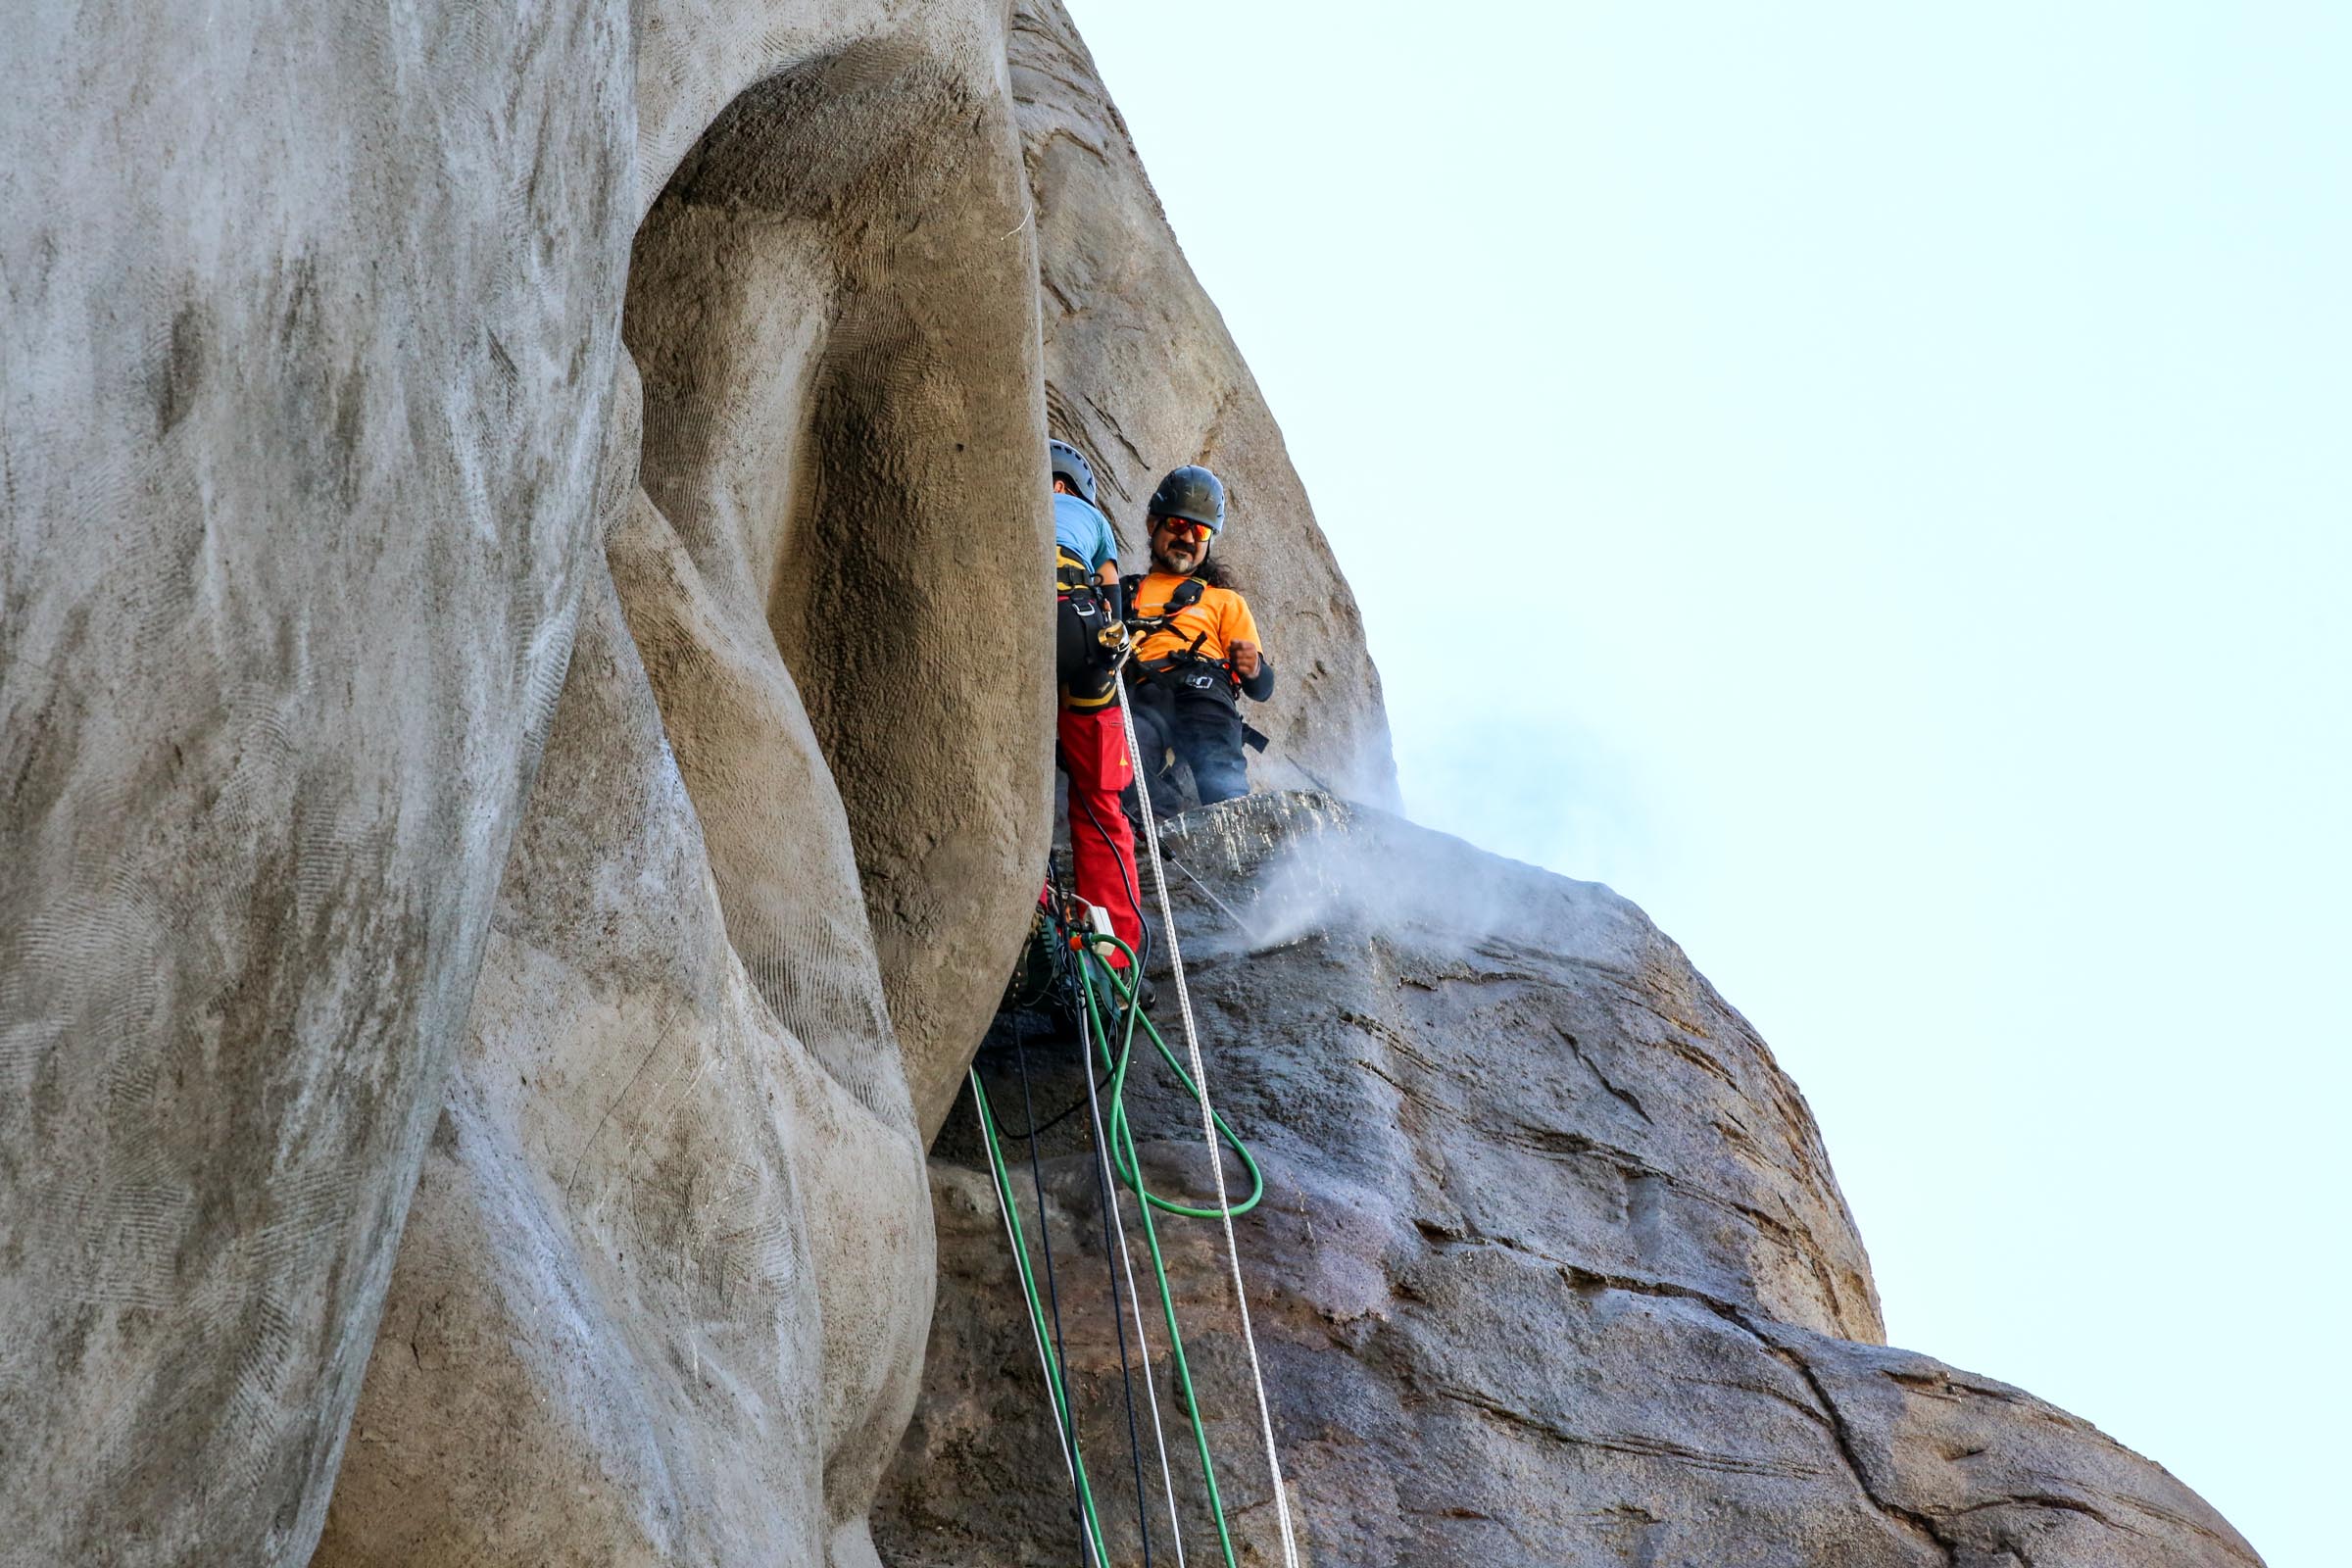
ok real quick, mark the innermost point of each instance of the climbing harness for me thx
(1181, 598)
(1107, 1020)
(1186, 667)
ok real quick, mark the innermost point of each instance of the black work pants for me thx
(1201, 723)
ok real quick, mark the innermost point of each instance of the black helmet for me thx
(1190, 492)
(1069, 464)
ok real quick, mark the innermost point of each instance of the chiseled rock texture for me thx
(662, 1295)
(352, 361)
(1551, 1269)
(309, 320)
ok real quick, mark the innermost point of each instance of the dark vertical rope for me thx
(1110, 1259)
(1061, 1358)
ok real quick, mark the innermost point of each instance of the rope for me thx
(1135, 1303)
(1116, 1150)
(1130, 1168)
(1108, 1194)
(1061, 1354)
(1123, 1155)
(1049, 1123)
(1090, 1527)
(1208, 1131)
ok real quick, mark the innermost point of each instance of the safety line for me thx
(1005, 1212)
(1135, 1301)
(1208, 1129)
(1089, 1529)
(1122, 1134)
(1045, 1239)
(1067, 962)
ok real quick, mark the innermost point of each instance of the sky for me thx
(1898, 457)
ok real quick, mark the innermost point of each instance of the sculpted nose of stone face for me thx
(834, 310)
(791, 812)
(295, 542)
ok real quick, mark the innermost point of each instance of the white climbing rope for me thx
(1135, 1301)
(1208, 1125)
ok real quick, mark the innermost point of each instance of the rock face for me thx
(663, 1293)
(522, 658)
(1551, 1268)
(350, 364)
(1141, 374)
(308, 326)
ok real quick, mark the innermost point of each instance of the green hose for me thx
(1121, 1134)
(1124, 1160)
(1056, 1383)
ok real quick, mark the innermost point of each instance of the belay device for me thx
(1067, 971)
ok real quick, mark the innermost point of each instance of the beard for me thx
(1178, 557)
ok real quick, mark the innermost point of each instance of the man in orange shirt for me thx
(1197, 651)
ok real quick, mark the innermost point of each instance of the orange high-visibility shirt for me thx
(1219, 619)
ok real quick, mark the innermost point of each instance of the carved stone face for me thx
(774, 862)
(520, 621)
(641, 958)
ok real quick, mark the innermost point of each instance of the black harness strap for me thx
(1183, 597)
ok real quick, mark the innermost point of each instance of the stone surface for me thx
(664, 1295)
(350, 361)
(1142, 376)
(1551, 1269)
(664, 1282)
(312, 452)
(307, 324)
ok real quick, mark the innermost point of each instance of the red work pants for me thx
(1093, 752)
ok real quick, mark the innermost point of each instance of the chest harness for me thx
(1186, 667)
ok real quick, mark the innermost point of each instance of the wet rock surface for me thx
(1551, 1268)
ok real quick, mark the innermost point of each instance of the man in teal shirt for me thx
(1080, 531)
(1093, 740)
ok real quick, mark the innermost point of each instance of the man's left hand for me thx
(1243, 655)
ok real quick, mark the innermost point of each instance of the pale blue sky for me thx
(1896, 459)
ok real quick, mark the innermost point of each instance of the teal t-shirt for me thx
(1083, 531)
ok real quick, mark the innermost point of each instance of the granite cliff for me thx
(1551, 1267)
(527, 763)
